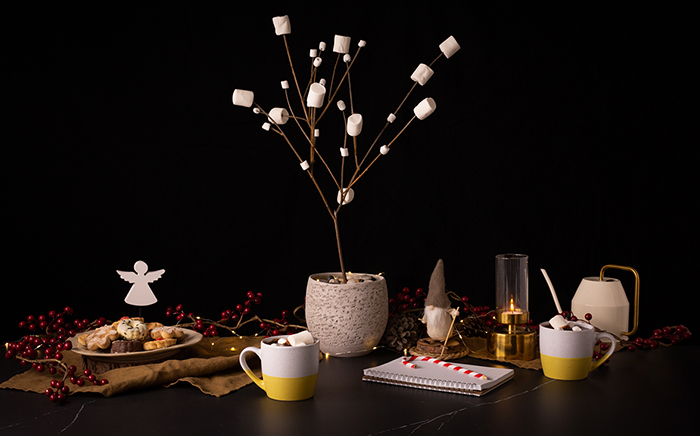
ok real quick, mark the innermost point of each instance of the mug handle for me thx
(246, 368)
(595, 364)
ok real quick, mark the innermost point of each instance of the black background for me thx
(560, 132)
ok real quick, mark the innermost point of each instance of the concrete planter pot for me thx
(348, 319)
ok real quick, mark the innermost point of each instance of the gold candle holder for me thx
(511, 340)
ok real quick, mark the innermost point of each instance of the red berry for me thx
(80, 382)
(104, 381)
(588, 317)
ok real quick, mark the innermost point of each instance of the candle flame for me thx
(512, 305)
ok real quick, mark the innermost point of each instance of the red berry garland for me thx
(53, 332)
(240, 316)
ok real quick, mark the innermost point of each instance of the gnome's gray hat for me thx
(437, 294)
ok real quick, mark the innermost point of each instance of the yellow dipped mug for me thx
(289, 373)
(568, 354)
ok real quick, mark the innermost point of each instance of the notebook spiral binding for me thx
(422, 382)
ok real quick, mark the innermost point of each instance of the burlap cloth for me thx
(213, 368)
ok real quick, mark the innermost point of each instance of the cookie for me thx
(101, 338)
(167, 333)
(159, 343)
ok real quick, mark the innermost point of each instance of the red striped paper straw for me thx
(447, 365)
(409, 364)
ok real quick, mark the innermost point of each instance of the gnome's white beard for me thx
(438, 321)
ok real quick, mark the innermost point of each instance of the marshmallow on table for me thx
(317, 92)
(301, 338)
(341, 44)
(558, 322)
(279, 115)
(449, 46)
(424, 108)
(354, 124)
(282, 25)
(422, 74)
(242, 97)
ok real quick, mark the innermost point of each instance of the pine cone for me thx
(402, 331)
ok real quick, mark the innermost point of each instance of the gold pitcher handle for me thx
(636, 293)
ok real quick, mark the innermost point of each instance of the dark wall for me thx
(559, 133)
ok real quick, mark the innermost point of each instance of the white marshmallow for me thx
(317, 133)
(282, 25)
(341, 105)
(576, 328)
(256, 111)
(349, 195)
(317, 62)
(422, 74)
(424, 108)
(322, 46)
(304, 165)
(558, 322)
(449, 46)
(346, 58)
(341, 44)
(242, 97)
(285, 84)
(317, 92)
(354, 124)
(301, 338)
(344, 152)
(391, 118)
(384, 149)
(322, 82)
(362, 43)
(266, 126)
(313, 53)
(279, 115)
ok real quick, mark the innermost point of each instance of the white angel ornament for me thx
(140, 293)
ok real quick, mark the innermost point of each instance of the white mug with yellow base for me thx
(289, 372)
(567, 354)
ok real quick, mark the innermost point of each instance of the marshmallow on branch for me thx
(424, 108)
(341, 44)
(243, 98)
(317, 93)
(282, 25)
(449, 46)
(279, 115)
(354, 124)
(422, 74)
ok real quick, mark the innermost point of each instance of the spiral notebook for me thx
(440, 376)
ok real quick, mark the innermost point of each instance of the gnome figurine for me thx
(438, 315)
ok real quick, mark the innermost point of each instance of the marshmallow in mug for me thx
(297, 339)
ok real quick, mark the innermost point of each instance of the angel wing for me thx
(128, 276)
(152, 276)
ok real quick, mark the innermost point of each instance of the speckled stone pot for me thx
(348, 319)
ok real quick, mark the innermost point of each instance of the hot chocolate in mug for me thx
(289, 373)
(568, 354)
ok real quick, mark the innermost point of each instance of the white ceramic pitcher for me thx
(605, 299)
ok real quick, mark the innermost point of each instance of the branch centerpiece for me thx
(316, 96)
